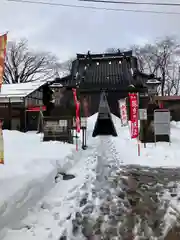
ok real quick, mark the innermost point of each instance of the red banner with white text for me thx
(133, 101)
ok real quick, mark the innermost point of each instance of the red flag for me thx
(133, 100)
(78, 128)
(77, 105)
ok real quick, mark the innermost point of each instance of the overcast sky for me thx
(66, 31)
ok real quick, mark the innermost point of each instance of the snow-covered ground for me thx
(28, 173)
(30, 168)
(163, 154)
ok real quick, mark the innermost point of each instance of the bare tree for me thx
(22, 65)
(111, 50)
(67, 65)
(64, 68)
(162, 59)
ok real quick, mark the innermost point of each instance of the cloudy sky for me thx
(66, 31)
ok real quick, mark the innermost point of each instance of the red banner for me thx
(36, 109)
(133, 100)
(77, 105)
(78, 128)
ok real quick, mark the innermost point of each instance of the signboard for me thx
(143, 114)
(83, 122)
(57, 129)
(123, 111)
(162, 119)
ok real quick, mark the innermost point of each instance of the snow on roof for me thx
(19, 89)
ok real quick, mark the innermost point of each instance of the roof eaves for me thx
(104, 55)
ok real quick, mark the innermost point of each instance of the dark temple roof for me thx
(117, 54)
(105, 71)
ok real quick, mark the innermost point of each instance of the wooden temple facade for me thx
(91, 73)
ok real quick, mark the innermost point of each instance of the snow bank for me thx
(162, 154)
(48, 218)
(28, 173)
(62, 196)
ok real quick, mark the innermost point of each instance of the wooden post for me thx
(25, 116)
(40, 120)
(10, 114)
(76, 141)
(144, 132)
(86, 137)
(82, 138)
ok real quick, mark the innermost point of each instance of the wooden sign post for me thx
(57, 129)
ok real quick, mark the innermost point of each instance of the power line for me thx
(133, 3)
(92, 7)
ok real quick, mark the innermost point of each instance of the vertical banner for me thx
(3, 43)
(78, 127)
(77, 105)
(133, 101)
(123, 111)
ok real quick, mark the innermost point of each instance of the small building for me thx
(20, 104)
(111, 72)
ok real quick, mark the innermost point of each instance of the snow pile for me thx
(162, 154)
(53, 214)
(28, 173)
